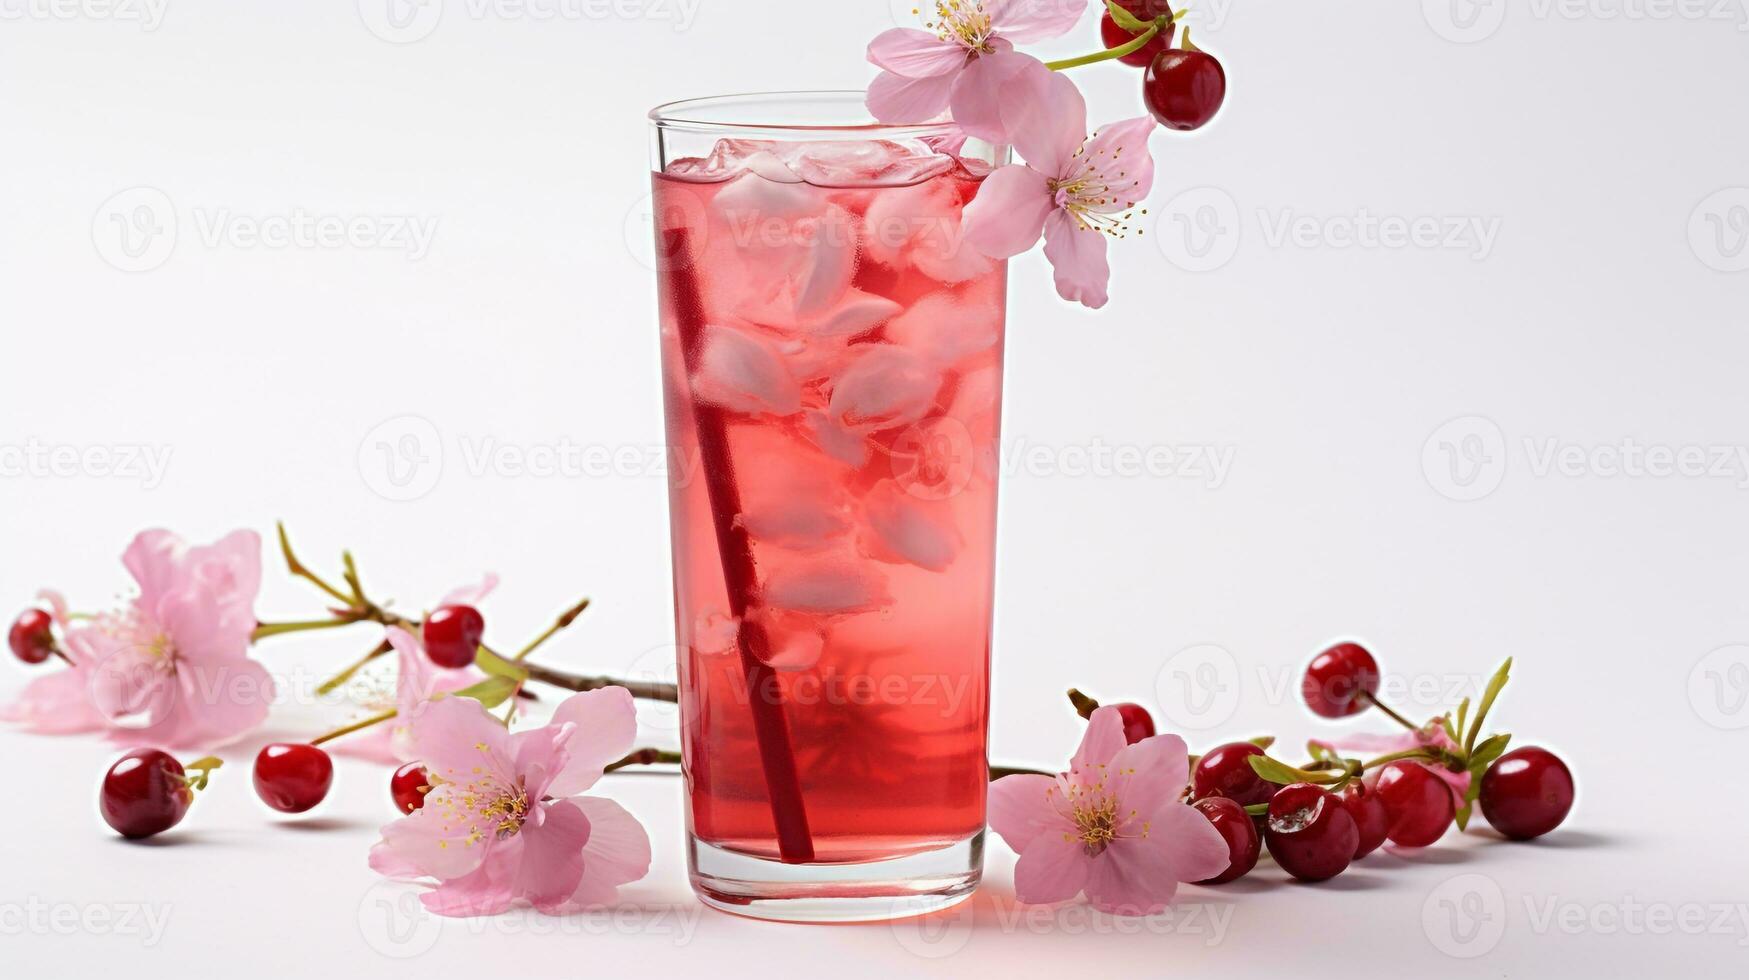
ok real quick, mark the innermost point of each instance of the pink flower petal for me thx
(1150, 774)
(1025, 807)
(1196, 849)
(1025, 21)
(488, 890)
(618, 853)
(1133, 876)
(55, 704)
(897, 100)
(57, 604)
(915, 54)
(1118, 160)
(1046, 120)
(988, 86)
(605, 724)
(1008, 215)
(154, 558)
(222, 702)
(1077, 256)
(1053, 868)
(469, 595)
(438, 840)
(1100, 744)
(459, 742)
(552, 856)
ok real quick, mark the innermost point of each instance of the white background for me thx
(1607, 307)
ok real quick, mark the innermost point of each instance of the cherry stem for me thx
(333, 683)
(204, 767)
(1130, 47)
(1399, 719)
(1384, 760)
(357, 726)
(265, 630)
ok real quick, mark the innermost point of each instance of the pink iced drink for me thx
(838, 349)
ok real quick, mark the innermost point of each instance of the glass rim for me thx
(740, 114)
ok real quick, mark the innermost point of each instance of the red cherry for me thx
(144, 793)
(1310, 833)
(1137, 723)
(1526, 793)
(1371, 819)
(292, 777)
(32, 637)
(1115, 36)
(1184, 89)
(1337, 678)
(1419, 803)
(452, 635)
(1240, 832)
(1226, 771)
(408, 786)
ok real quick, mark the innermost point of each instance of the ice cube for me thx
(751, 198)
(729, 158)
(883, 387)
(715, 632)
(800, 522)
(834, 440)
(944, 328)
(826, 586)
(744, 373)
(903, 528)
(864, 163)
(827, 261)
(919, 227)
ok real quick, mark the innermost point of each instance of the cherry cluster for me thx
(147, 791)
(1316, 820)
(1183, 86)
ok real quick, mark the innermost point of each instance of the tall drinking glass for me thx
(832, 363)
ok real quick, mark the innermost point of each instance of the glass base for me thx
(871, 892)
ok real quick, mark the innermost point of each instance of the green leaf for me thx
(497, 666)
(1319, 751)
(1277, 771)
(1492, 747)
(1463, 715)
(1463, 817)
(1495, 685)
(491, 692)
(1126, 20)
(1264, 742)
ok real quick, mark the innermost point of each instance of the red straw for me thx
(771, 729)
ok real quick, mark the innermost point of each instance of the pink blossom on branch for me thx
(417, 680)
(1112, 826)
(504, 824)
(1073, 190)
(962, 61)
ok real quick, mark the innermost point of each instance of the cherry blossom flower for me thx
(504, 823)
(172, 667)
(964, 60)
(1075, 191)
(59, 702)
(416, 681)
(1113, 826)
